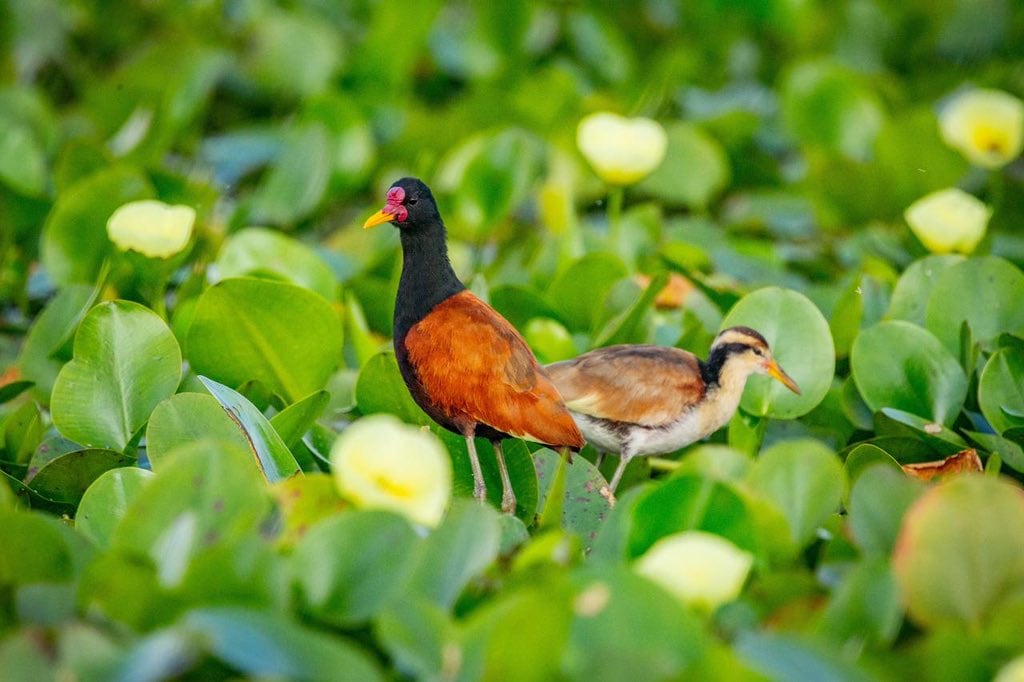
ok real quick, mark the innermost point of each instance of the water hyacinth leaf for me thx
(914, 287)
(22, 431)
(1001, 389)
(47, 345)
(1010, 452)
(576, 293)
(804, 479)
(126, 360)
(985, 292)
(899, 365)
(263, 644)
(960, 552)
(865, 607)
(74, 242)
(694, 171)
(519, 304)
(897, 425)
(460, 548)
(106, 501)
(294, 421)
(416, 633)
(66, 478)
(801, 343)
(380, 388)
(22, 160)
(9, 392)
(210, 493)
(293, 54)
(585, 508)
(298, 179)
(520, 465)
(690, 502)
(282, 335)
(608, 642)
(346, 569)
(864, 456)
(261, 252)
(271, 455)
(878, 501)
(303, 501)
(627, 326)
(35, 550)
(186, 418)
(789, 657)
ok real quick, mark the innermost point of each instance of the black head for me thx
(745, 351)
(409, 204)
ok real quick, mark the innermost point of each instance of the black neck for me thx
(711, 371)
(427, 276)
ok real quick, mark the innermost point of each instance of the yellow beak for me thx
(776, 372)
(378, 218)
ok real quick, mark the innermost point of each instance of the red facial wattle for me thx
(394, 209)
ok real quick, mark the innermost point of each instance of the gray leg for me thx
(479, 487)
(599, 459)
(624, 457)
(508, 496)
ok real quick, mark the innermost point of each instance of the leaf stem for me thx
(615, 196)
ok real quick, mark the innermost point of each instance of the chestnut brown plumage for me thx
(464, 364)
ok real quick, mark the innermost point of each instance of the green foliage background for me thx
(138, 541)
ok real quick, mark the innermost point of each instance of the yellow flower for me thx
(621, 150)
(986, 126)
(1012, 671)
(381, 463)
(701, 569)
(948, 220)
(151, 227)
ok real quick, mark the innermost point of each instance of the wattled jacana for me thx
(465, 364)
(644, 400)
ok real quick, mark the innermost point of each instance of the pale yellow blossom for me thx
(986, 126)
(701, 569)
(151, 227)
(949, 220)
(621, 150)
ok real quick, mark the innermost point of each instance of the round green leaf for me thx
(125, 362)
(66, 478)
(899, 365)
(879, 498)
(185, 418)
(585, 508)
(694, 171)
(915, 286)
(74, 241)
(22, 160)
(578, 291)
(804, 479)
(1001, 389)
(864, 456)
(346, 569)
(960, 552)
(48, 342)
(105, 502)
(280, 334)
(985, 292)
(800, 340)
(259, 251)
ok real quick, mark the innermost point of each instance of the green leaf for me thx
(865, 455)
(261, 252)
(346, 569)
(690, 502)
(804, 479)
(577, 292)
(186, 418)
(914, 287)
(265, 645)
(281, 335)
(209, 493)
(585, 508)
(9, 392)
(878, 500)
(35, 549)
(303, 501)
(296, 184)
(22, 431)
(22, 159)
(106, 501)
(380, 388)
(960, 553)
(1001, 389)
(43, 353)
(694, 172)
(126, 361)
(985, 292)
(608, 640)
(899, 365)
(457, 551)
(627, 326)
(294, 421)
(865, 608)
(74, 242)
(416, 634)
(800, 341)
(270, 454)
(66, 478)
(785, 656)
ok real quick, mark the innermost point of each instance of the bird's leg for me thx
(599, 459)
(624, 457)
(479, 487)
(508, 496)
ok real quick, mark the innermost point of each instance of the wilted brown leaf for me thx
(961, 462)
(674, 294)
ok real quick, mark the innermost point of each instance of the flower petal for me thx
(151, 227)
(948, 220)
(621, 150)
(986, 126)
(700, 569)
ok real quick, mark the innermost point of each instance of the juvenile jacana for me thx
(465, 364)
(644, 400)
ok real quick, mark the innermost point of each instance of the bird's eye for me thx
(759, 352)
(412, 201)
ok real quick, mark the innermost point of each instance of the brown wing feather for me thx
(476, 368)
(647, 385)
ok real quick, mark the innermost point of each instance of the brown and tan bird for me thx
(644, 400)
